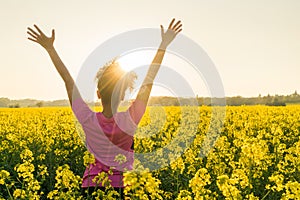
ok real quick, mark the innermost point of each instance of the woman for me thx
(108, 133)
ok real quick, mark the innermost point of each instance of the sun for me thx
(136, 59)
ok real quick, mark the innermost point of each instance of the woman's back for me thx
(107, 138)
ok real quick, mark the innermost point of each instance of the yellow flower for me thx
(184, 195)
(292, 190)
(278, 180)
(43, 170)
(102, 178)
(3, 175)
(18, 193)
(120, 158)
(88, 158)
(227, 188)
(27, 155)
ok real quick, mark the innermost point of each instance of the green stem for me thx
(177, 182)
(8, 191)
(266, 195)
(122, 175)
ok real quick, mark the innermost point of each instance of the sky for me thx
(254, 44)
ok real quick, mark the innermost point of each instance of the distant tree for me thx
(200, 100)
(276, 102)
(14, 106)
(4, 102)
(236, 101)
(295, 93)
(39, 104)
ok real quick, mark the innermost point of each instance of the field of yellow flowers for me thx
(256, 155)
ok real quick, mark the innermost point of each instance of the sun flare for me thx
(136, 59)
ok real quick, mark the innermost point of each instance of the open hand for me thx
(41, 38)
(168, 36)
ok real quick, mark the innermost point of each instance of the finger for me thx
(53, 34)
(32, 39)
(39, 30)
(32, 35)
(162, 29)
(178, 31)
(171, 24)
(176, 24)
(33, 32)
(178, 27)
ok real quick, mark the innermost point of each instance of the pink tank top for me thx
(106, 138)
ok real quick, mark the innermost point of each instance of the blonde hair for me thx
(112, 78)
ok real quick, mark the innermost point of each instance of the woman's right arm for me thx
(47, 42)
(167, 38)
(79, 107)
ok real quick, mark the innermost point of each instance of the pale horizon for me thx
(157, 95)
(254, 44)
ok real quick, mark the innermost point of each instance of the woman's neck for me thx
(110, 108)
(107, 111)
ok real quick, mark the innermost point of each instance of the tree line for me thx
(270, 100)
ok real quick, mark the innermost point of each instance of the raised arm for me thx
(167, 38)
(47, 42)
